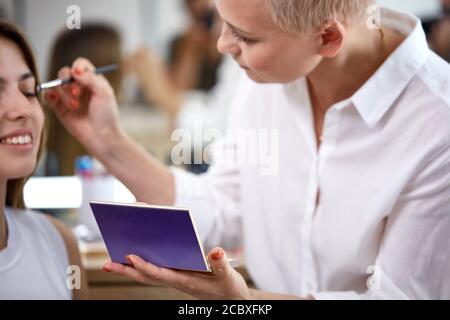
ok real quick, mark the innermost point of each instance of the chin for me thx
(19, 171)
(269, 79)
(257, 78)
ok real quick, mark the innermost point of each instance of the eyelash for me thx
(240, 38)
(30, 95)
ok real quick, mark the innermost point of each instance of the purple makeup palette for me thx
(163, 236)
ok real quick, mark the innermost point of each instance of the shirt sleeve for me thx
(414, 256)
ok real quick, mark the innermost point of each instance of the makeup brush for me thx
(60, 82)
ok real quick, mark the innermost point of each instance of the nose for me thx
(226, 43)
(17, 106)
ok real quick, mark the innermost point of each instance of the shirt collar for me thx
(380, 92)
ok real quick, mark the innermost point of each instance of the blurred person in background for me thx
(192, 92)
(438, 31)
(2, 12)
(100, 43)
(192, 110)
(193, 57)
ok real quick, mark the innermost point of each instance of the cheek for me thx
(260, 60)
(280, 62)
(39, 119)
(16, 167)
(299, 63)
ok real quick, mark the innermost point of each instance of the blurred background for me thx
(170, 77)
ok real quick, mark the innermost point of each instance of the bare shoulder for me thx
(73, 252)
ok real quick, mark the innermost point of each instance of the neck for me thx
(336, 79)
(3, 227)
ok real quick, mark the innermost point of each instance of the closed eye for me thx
(241, 38)
(30, 95)
(27, 85)
(2, 87)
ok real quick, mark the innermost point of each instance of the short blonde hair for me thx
(295, 16)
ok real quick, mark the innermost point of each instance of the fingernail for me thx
(78, 71)
(50, 96)
(75, 91)
(128, 258)
(74, 104)
(217, 255)
(106, 269)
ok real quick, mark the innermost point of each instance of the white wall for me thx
(418, 7)
(7, 6)
(161, 21)
(45, 18)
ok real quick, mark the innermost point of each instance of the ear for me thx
(332, 35)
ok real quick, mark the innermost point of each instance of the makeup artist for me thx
(361, 188)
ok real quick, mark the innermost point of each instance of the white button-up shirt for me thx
(366, 215)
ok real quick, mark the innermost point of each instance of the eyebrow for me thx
(238, 30)
(26, 76)
(23, 77)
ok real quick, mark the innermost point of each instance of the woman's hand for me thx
(224, 283)
(87, 107)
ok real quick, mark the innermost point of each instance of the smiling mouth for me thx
(17, 140)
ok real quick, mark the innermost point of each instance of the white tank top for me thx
(34, 263)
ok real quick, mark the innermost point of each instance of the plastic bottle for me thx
(97, 185)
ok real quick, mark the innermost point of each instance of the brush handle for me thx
(106, 69)
(60, 82)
